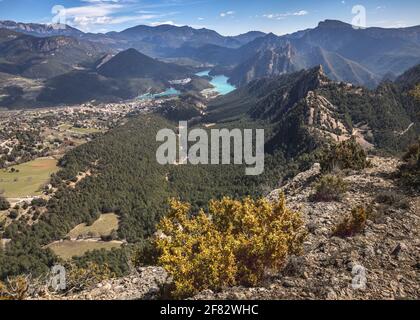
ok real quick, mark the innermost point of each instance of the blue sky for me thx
(228, 17)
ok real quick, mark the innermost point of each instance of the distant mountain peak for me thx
(317, 75)
(253, 32)
(37, 29)
(134, 64)
(131, 51)
(333, 24)
(271, 36)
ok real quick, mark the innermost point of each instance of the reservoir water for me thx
(220, 82)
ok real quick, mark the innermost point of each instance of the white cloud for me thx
(159, 23)
(227, 13)
(280, 16)
(98, 13)
(301, 13)
(85, 22)
(97, 10)
(109, 1)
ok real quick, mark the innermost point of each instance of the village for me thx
(26, 135)
(32, 142)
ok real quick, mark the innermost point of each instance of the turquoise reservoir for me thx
(220, 83)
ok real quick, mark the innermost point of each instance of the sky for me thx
(228, 17)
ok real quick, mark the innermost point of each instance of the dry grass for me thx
(67, 249)
(30, 178)
(101, 227)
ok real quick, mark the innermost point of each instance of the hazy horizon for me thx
(225, 17)
(201, 28)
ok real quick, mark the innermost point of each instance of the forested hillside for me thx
(126, 179)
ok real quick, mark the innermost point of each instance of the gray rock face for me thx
(144, 283)
(387, 252)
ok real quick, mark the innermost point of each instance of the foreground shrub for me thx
(4, 204)
(344, 155)
(79, 278)
(392, 198)
(235, 243)
(410, 171)
(353, 223)
(329, 188)
(15, 288)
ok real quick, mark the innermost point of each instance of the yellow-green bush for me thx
(329, 188)
(235, 243)
(353, 223)
(344, 155)
(415, 92)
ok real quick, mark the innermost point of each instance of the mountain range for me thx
(37, 57)
(153, 41)
(307, 107)
(51, 53)
(360, 56)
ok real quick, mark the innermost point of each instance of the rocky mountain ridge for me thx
(360, 56)
(44, 57)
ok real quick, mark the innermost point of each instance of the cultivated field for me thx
(101, 227)
(81, 131)
(67, 249)
(28, 178)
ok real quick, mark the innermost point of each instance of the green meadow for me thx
(28, 178)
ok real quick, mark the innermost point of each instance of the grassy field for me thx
(84, 130)
(31, 176)
(101, 227)
(67, 249)
(81, 131)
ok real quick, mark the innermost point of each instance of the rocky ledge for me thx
(383, 262)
